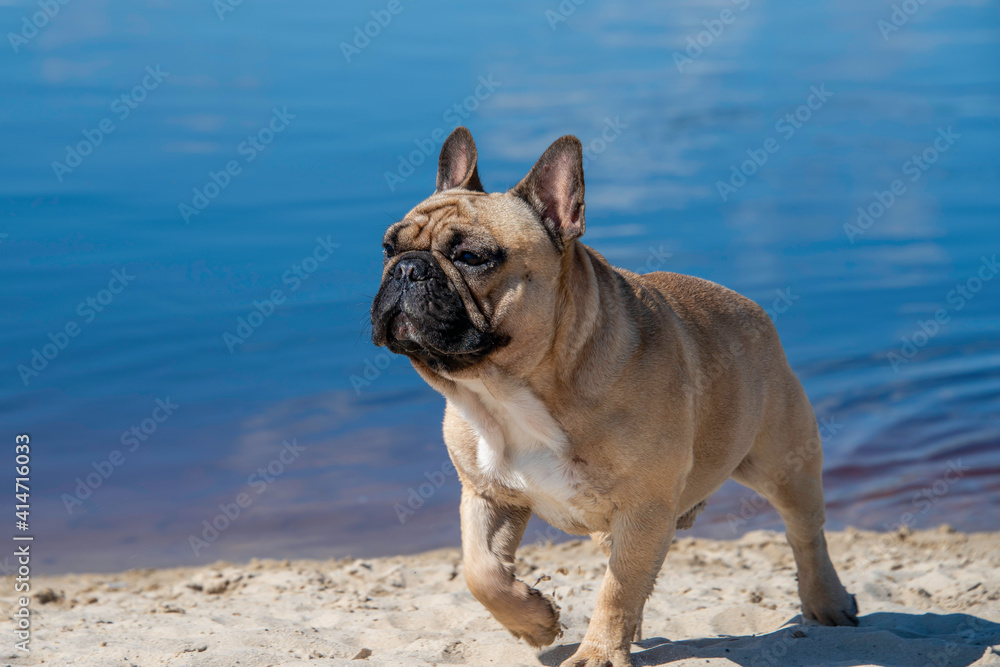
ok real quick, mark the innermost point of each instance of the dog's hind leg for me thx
(785, 467)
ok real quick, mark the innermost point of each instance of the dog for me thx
(609, 403)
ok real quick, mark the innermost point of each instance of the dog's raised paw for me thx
(539, 626)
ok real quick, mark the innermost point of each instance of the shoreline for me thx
(926, 597)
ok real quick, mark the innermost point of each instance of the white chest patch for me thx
(522, 447)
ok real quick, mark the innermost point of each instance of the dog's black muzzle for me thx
(419, 312)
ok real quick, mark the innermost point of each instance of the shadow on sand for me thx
(883, 638)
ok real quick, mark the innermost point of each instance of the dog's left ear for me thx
(457, 164)
(554, 188)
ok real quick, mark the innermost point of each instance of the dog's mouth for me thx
(401, 330)
(402, 337)
(405, 337)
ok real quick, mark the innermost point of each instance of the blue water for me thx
(300, 142)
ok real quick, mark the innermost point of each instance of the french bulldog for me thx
(609, 403)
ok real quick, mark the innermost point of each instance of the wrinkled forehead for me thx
(449, 217)
(436, 219)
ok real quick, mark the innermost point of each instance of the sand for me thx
(927, 598)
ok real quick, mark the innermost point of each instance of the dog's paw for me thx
(538, 623)
(590, 656)
(838, 609)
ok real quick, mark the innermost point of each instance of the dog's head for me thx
(470, 275)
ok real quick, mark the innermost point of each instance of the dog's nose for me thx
(411, 269)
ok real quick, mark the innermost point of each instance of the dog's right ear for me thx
(457, 164)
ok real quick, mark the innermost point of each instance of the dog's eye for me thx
(470, 258)
(387, 250)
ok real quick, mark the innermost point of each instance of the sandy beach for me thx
(927, 598)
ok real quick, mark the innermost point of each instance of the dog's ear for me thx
(554, 188)
(457, 164)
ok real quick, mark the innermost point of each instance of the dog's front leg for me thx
(639, 542)
(491, 533)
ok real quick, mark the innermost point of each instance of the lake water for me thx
(169, 168)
